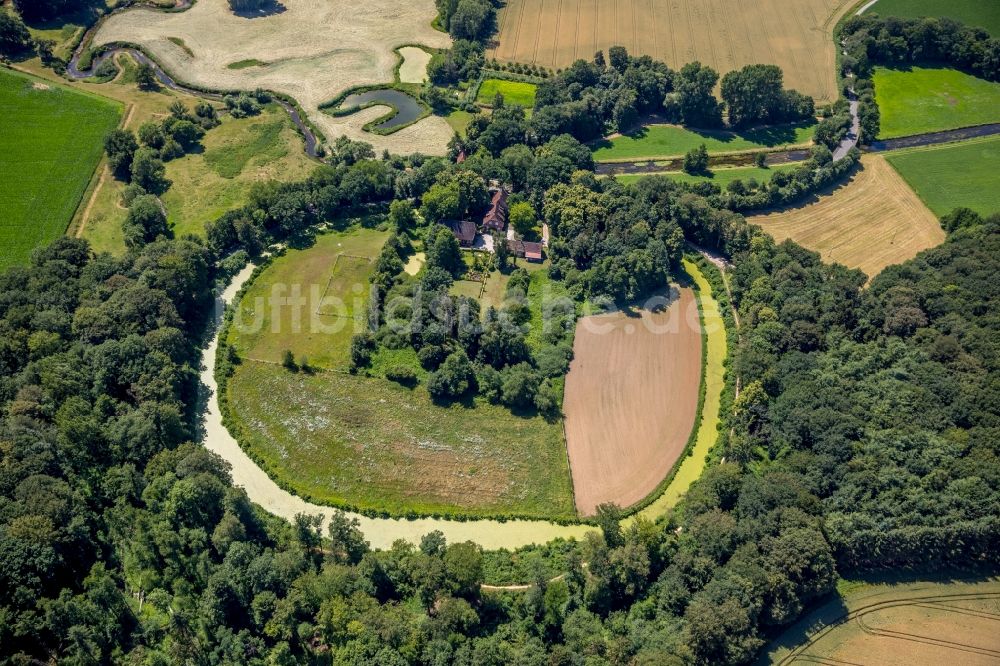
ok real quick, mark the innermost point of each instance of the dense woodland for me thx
(864, 436)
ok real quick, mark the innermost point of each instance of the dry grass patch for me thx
(904, 625)
(631, 400)
(720, 33)
(873, 221)
(311, 51)
(413, 69)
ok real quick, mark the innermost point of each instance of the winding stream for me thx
(380, 532)
(74, 72)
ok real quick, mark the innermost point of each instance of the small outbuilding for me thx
(530, 250)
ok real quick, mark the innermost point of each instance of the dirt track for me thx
(631, 400)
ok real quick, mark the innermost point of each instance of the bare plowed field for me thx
(725, 34)
(872, 221)
(631, 400)
(311, 50)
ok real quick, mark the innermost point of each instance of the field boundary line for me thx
(333, 270)
(79, 224)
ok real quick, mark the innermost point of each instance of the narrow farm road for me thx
(490, 534)
(853, 134)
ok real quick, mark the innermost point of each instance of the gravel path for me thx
(380, 532)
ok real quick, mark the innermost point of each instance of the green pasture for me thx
(918, 100)
(661, 141)
(52, 139)
(978, 13)
(952, 175)
(514, 92)
(308, 301)
(365, 442)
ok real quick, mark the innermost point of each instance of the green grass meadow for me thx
(952, 175)
(363, 441)
(320, 328)
(660, 141)
(720, 177)
(918, 100)
(48, 161)
(978, 13)
(514, 92)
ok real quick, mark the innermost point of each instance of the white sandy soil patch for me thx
(414, 66)
(414, 263)
(313, 50)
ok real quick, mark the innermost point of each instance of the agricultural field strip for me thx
(57, 147)
(302, 64)
(950, 175)
(665, 142)
(381, 532)
(554, 33)
(631, 400)
(716, 350)
(858, 613)
(920, 100)
(871, 221)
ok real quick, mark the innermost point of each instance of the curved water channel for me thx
(490, 534)
(405, 108)
(74, 72)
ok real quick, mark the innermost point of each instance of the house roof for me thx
(496, 216)
(527, 249)
(464, 230)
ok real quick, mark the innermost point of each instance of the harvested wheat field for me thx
(311, 51)
(720, 33)
(936, 628)
(631, 400)
(873, 221)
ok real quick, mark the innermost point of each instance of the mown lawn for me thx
(720, 177)
(308, 302)
(978, 13)
(918, 100)
(946, 177)
(514, 92)
(365, 442)
(52, 138)
(660, 141)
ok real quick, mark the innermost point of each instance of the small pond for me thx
(407, 108)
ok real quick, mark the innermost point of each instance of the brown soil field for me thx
(725, 34)
(872, 221)
(955, 629)
(310, 50)
(631, 400)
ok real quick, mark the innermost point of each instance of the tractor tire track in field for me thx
(801, 653)
(85, 216)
